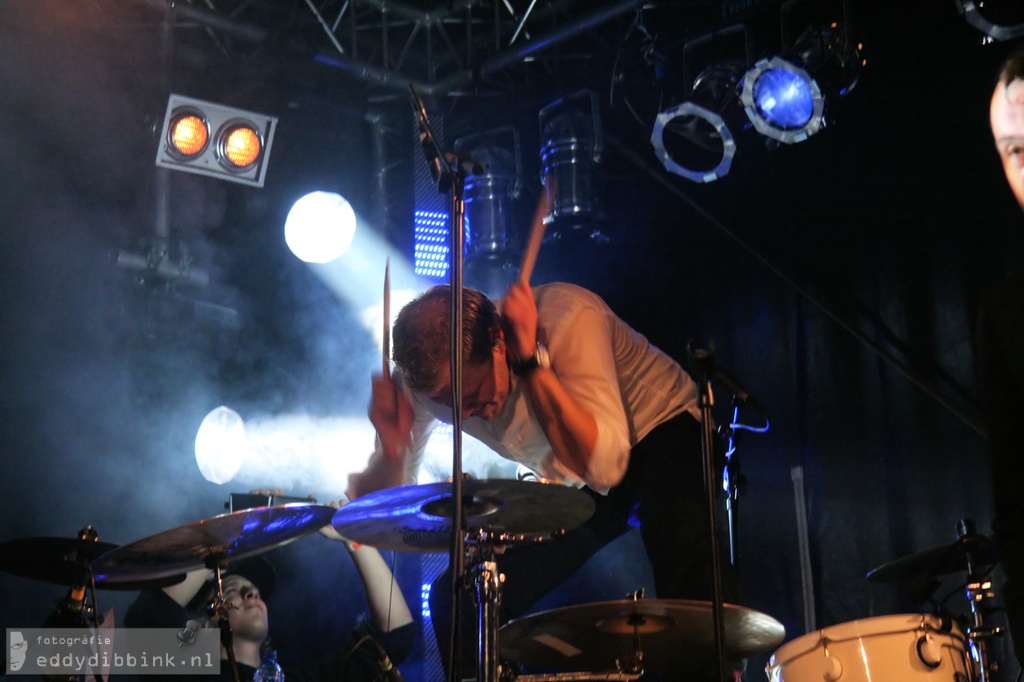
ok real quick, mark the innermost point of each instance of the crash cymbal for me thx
(417, 518)
(674, 635)
(196, 545)
(64, 561)
(938, 561)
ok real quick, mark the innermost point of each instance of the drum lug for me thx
(929, 651)
(833, 669)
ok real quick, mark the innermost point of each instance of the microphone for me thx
(741, 396)
(440, 170)
(429, 145)
(469, 165)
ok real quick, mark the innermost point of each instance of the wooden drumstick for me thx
(537, 231)
(386, 343)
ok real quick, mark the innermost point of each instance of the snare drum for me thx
(883, 649)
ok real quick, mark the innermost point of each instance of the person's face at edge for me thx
(1007, 121)
(249, 619)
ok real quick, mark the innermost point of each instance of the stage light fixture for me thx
(215, 140)
(221, 445)
(785, 96)
(697, 138)
(571, 147)
(782, 100)
(320, 227)
(487, 194)
(997, 19)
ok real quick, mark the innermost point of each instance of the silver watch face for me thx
(541, 357)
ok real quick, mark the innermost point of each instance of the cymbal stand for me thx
(218, 608)
(482, 547)
(482, 570)
(979, 590)
(79, 609)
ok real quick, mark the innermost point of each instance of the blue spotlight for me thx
(782, 100)
(784, 97)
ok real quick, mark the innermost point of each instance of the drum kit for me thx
(612, 640)
(907, 646)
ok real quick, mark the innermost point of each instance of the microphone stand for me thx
(731, 477)
(451, 177)
(217, 608)
(703, 361)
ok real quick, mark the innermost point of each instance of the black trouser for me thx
(664, 490)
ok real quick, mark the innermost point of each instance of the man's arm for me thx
(388, 608)
(576, 401)
(183, 592)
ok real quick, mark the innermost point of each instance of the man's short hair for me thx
(1013, 67)
(422, 336)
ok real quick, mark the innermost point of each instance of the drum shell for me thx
(882, 649)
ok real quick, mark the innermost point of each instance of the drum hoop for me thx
(860, 629)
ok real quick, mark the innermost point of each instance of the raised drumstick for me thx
(386, 343)
(537, 231)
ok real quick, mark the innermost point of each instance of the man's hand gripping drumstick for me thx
(518, 309)
(390, 413)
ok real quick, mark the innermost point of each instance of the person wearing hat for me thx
(373, 648)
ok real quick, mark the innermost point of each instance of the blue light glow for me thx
(784, 98)
(430, 243)
(425, 600)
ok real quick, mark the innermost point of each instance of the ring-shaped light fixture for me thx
(999, 20)
(692, 129)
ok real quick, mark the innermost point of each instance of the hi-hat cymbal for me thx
(978, 549)
(196, 545)
(674, 635)
(417, 518)
(65, 561)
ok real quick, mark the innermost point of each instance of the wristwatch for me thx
(539, 358)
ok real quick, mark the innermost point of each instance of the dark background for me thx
(838, 279)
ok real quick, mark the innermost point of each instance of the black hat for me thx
(257, 570)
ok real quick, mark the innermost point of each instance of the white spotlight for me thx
(221, 445)
(320, 227)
